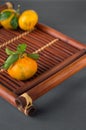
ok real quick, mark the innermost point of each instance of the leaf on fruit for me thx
(10, 60)
(33, 56)
(21, 48)
(14, 22)
(5, 15)
(9, 52)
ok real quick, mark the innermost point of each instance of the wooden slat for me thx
(30, 85)
(51, 58)
(61, 36)
(57, 78)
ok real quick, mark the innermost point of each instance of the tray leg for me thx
(24, 103)
(31, 110)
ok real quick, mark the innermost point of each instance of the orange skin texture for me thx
(28, 19)
(23, 69)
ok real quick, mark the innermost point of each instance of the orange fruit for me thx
(28, 19)
(23, 69)
(9, 5)
(9, 19)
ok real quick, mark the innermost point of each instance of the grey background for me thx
(63, 108)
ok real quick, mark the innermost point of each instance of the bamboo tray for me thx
(60, 58)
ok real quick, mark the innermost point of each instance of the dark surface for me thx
(63, 108)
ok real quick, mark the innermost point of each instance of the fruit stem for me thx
(18, 9)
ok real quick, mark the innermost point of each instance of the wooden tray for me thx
(60, 58)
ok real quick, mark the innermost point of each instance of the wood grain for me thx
(56, 63)
(57, 78)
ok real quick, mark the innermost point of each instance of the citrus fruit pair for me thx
(10, 19)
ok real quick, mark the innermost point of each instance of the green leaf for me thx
(14, 22)
(21, 48)
(10, 60)
(9, 52)
(33, 56)
(5, 15)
